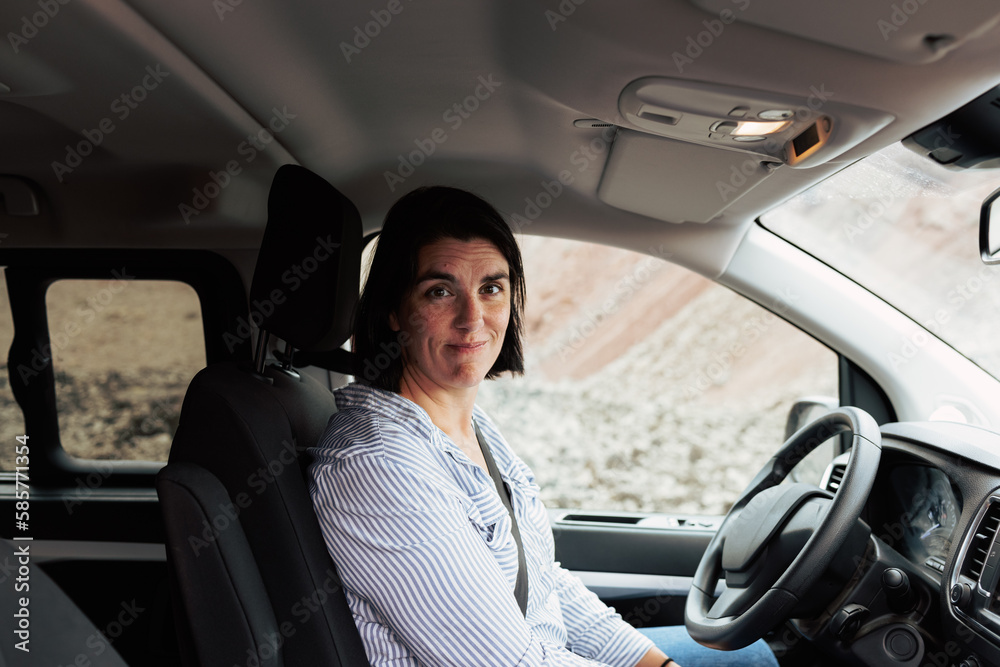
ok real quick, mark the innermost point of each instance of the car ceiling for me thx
(233, 64)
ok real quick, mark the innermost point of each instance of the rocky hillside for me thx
(648, 387)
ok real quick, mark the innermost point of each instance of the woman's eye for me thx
(437, 292)
(492, 289)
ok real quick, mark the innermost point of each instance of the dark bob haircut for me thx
(418, 219)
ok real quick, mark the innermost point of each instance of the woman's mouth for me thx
(468, 347)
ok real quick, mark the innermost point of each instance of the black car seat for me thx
(70, 637)
(252, 579)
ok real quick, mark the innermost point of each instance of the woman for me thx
(436, 569)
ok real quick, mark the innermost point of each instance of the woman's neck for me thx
(451, 412)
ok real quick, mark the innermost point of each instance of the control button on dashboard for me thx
(893, 578)
(961, 594)
(935, 563)
(901, 644)
(846, 622)
(994, 557)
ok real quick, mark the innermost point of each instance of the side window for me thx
(11, 418)
(648, 387)
(123, 353)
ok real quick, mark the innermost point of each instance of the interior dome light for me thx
(755, 128)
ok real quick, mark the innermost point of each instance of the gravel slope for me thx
(679, 420)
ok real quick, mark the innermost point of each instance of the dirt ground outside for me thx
(123, 353)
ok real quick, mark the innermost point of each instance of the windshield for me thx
(907, 229)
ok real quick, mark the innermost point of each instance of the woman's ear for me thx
(394, 322)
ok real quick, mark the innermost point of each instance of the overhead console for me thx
(798, 131)
(662, 164)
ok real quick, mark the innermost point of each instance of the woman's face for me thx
(454, 318)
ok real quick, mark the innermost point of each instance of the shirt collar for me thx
(393, 406)
(390, 405)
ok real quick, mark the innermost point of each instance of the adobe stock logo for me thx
(30, 25)
(292, 279)
(248, 149)
(455, 116)
(363, 35)
(41, 356)
(900, 15)
(698, 43)
(566, 9)
(121, 107)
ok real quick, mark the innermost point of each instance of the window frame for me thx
(223, 300)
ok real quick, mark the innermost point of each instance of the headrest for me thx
(306, 281)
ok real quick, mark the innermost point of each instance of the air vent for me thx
(982, 539)
(836, 477)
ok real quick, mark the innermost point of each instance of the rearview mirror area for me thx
(989, 229)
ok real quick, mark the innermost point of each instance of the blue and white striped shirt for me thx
(424, 547)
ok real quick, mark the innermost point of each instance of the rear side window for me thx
(11, 418)
(123, 353)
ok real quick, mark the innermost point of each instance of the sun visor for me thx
(659, 177)
(906, 31)
(967, 138)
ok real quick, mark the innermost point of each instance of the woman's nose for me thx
(470, 314)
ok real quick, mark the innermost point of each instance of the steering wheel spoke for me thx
(727, 605)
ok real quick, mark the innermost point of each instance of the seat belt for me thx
(521, 586)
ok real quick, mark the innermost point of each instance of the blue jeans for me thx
(675, 642)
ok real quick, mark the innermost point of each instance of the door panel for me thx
(641, 564)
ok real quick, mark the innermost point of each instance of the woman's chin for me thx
(469, 378)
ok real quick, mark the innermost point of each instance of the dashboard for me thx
(923, 513)
(934, 514)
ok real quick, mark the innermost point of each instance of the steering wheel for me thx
(778, 539)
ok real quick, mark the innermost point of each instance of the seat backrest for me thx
(236, 606)
(40, 608)
(233, 494)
